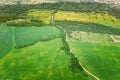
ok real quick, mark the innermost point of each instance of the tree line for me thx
(11, 12)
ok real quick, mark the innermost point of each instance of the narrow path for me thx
(53, 14)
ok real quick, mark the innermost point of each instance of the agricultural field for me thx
(100, 59)
(43, 60)
(92, 45)
(60, 41)
(100, 18)
(6, 41)
(44, 15)
(91, 37)
(34, 35)
(33, 17)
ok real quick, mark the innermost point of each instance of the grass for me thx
(6, 43)
(91, 37)
(99, 58)
(33, 17)
(44, 15)
(25, 36)
(103, 19)
(44, 60)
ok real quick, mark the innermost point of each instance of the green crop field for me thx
(6, 43)
(100, 59)
(34, 34)
(44, 60)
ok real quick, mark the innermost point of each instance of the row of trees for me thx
(92, 7)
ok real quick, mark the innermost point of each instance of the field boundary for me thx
(113, 38)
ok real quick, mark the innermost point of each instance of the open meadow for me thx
(100, 59)
(43, 60)
(6, 43)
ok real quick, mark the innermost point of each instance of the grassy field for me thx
(100, 59)
(44, 60)
(44, 15)
(33, 17)
(6, 43)
(99, 18)
(34, 34)
(91, 37)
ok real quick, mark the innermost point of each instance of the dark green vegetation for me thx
(6, 43)
(92, 7)
(19, 11)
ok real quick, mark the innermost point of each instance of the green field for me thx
(34, 34)
(44, 60)
(6, 43)
(100, 59)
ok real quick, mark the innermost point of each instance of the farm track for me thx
(52, 20)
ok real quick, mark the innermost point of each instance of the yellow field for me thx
(103, 19)
(43, 15)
